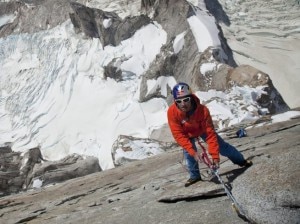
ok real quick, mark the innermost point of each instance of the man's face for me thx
(184, 103)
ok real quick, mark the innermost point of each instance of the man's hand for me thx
(216, 163)
(197, 157)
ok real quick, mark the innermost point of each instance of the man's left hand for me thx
(216, 163)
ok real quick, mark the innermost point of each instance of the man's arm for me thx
(177, 131)
(211, 136)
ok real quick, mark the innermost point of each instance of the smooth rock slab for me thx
(270, 191)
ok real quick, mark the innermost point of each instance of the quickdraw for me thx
(215, 171)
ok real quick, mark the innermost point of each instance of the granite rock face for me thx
(275, 197)
(270, 190)
(152, 190)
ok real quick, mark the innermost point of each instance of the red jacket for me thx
(183, 128)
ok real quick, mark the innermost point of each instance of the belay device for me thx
(215, 172)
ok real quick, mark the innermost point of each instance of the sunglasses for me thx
(185, 100)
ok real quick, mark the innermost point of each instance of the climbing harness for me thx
(214, 169)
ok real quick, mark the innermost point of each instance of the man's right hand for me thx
(197, 157)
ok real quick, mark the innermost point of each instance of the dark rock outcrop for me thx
(16, 169)
(33, 16)
(270, 97)
(18, 172)
(107, 26)
(10, 180)
(110, 71)
(163, 65)
(70, 167)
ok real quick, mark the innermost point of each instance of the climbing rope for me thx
(215, 171)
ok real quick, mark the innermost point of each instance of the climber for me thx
(188, 119)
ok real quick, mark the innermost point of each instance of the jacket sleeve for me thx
(177, 131)
(211, 136)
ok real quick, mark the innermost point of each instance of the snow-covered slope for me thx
(52, 82)
(266, 35)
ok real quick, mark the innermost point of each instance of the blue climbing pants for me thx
(225, 150)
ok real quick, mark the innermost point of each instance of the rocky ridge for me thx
(265, 35)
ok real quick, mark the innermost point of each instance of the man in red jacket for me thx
(188, 119)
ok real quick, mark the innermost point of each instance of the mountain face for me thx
(94, 78)
(265, 35)
(76, 75)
